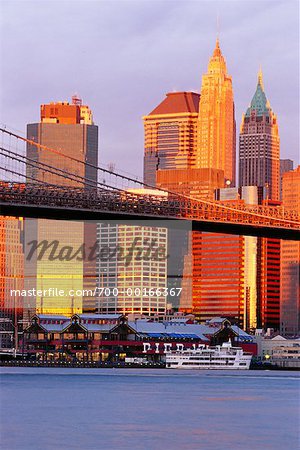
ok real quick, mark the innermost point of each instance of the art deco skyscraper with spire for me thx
(259, 144)
(259, 165)
(216, 122)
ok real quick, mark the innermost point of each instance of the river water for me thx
(151, 409)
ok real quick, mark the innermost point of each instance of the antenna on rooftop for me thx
(76, 100)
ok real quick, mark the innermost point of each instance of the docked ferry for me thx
(223, 356)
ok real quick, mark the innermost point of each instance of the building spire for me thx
(260, 78)
(217, 50)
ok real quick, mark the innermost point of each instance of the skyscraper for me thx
(216, 146)
(170, 134)
(259, 164)
(130, 281)
(217, 273)
(68, 129)
(286, 165)
(169, 154)
(290, 261)
(199, 184)
(196, 183)
(268, 265)
(259, 144)
(194, 144)
(251, 195)
(11, 279)
(218, 276)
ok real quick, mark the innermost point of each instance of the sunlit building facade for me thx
(251, 195)
(196, 183)
(259, 145)
(225, 268)
(268, 260)
(217, 260)
(286, 165)
(170, 134)
(218, 276)
(190, 150)
(183, 247)
(216, 142)
(11, 279)
(132, 279)
(169, 160)
(259, 165)
(290, 261)
(69, 131)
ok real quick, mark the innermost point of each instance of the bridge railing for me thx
(149, 205)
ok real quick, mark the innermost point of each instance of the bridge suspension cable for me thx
(32, 169)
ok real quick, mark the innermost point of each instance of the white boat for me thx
(223, 356)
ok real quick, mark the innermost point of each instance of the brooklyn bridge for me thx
(30, 188)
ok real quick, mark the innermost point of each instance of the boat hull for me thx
(221, 357)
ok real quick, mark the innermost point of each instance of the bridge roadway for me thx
(69, 203)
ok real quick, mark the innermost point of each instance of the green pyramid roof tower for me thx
(259, 102)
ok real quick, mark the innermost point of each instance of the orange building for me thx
(170, 134)
(290, 261)
(216, 142)
(197, 183)
(66, 113)
(11, 278)
(183, 247)
(268, 278)
(218, 283)
(218, 276)
(190, 149)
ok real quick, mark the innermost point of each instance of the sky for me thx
(122, 57)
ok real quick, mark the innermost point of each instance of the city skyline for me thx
(149, 219)
(119, 79)
(189, 139)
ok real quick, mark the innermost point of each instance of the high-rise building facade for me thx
(268, 266)
(259, 165)
(290, 261)
(251, 195)
(67, 129)
(169, 163)
(217, 272)
(215, 161)
(190, 150)
(133, 278)
(225, 268)
(170, 134)
(11, 279)
(216, 142)
(286, 165)
(196, 183)
(259, 145)
(218, 276)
